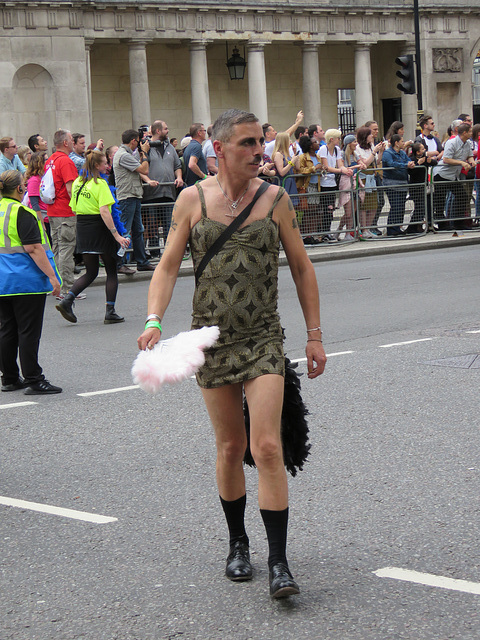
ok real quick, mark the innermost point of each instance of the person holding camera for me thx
(127, 170)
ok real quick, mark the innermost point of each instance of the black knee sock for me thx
(234, 513)
(276, 523)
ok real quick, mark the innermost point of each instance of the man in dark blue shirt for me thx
(195, 162)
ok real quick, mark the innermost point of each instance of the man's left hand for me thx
(316, 358)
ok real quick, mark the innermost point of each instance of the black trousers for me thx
(460, 204)
(21, 322)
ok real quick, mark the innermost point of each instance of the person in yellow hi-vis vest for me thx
(27, 274)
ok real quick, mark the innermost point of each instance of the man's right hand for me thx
(145, 146)
(149, 338)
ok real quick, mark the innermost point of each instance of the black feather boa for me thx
(296, 447)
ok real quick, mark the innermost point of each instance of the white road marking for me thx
(399, 344)
(16, 404)
(339, 353)
(99, 393)
(429, 579)
(477, 331)
(329, 355)
(56, 511)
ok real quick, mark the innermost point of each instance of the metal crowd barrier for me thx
(368, 210)
(455, 205)
(363, 212)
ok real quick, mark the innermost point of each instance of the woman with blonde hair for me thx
(24, 153)
(284, 165)
(96, 235)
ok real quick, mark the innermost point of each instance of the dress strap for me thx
(202, 199)
(280, 193)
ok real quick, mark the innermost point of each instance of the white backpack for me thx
(47, 187)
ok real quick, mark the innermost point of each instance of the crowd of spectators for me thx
(340, 183)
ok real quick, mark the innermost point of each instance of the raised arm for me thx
(298, 119)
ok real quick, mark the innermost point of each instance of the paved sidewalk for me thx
(341, 251)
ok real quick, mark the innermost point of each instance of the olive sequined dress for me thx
(238, 292)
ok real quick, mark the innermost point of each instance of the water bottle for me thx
(122, 251)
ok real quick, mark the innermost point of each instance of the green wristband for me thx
(153, 324)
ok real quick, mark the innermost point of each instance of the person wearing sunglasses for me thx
(9, 160)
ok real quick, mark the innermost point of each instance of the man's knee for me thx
(231, 452)
(266, 451)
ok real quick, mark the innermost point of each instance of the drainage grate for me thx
(470, 361)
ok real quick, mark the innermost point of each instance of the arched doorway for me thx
(34, 100)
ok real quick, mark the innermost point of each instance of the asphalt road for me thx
(392, 482)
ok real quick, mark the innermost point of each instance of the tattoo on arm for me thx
(173, 224)
(294, 223)
(290, 205)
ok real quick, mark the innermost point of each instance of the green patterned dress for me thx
(238, 292)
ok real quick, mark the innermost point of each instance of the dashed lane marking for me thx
(99, 393)
(56, 511)
(329, 355)
(429, 579)
(476, 331)
(16, 404)
(399, 344)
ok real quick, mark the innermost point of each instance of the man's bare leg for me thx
(265, 401)
(225, 407)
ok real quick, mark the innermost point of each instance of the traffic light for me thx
(406, 73)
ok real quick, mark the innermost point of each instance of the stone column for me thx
(139, 89)
(199, 82)
(409, 103)
(311, 84)
(363, 85)
(257, 82)
(88, 46)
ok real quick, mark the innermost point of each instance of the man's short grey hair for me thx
(455, 124)
(225, 123)
(59, 137)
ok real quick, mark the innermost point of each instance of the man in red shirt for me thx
(61, 217)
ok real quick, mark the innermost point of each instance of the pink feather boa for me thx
(173, 360)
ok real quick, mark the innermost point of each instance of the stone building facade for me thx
(102, 67)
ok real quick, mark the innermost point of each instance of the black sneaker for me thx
(41, 388)
(14, 386)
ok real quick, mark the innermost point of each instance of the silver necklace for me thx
(232, 204)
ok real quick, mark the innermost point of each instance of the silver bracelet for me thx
(315, 329)
(153, 316)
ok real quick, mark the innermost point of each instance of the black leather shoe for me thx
(238, 563)
(146, 267)
(43, 387)
(15, 386)
(282, 583)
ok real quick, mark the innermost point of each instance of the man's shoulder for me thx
(195, 147)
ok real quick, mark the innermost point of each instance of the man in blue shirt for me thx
(195, 163)
(8, 156)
